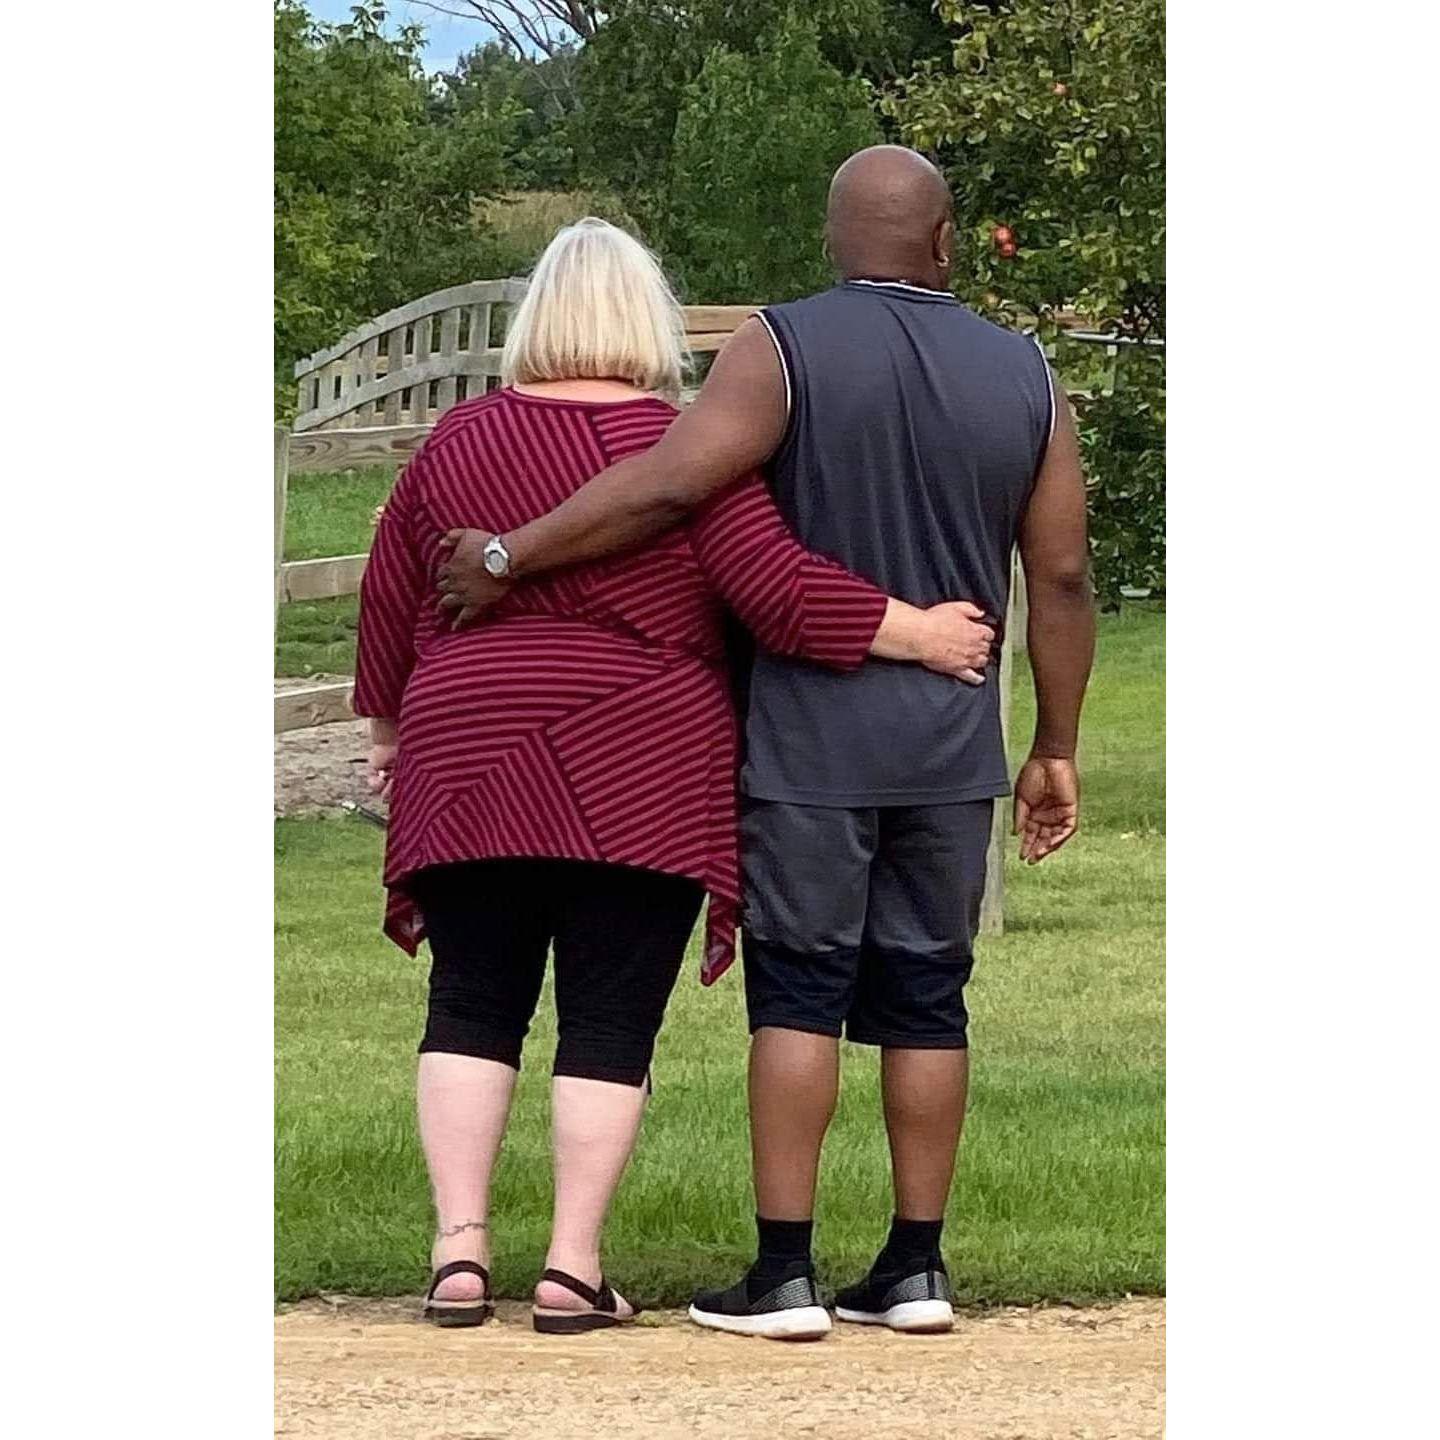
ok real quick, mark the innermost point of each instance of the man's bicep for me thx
(736, 421)
(1053, 537)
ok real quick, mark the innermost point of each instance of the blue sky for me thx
(445, 35)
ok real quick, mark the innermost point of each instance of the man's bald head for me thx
(890, 217)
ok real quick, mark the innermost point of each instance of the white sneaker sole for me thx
(914, 1317)
(809, 1322)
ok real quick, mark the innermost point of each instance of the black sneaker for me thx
(788, 1309)
(918, 1303)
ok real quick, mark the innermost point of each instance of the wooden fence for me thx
(372, 398)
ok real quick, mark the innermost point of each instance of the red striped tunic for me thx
(588, 717)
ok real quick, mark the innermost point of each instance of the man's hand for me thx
(1047, 806)
(957, 641)
(466, 586)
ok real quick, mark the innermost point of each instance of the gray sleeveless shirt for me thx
(915, 433)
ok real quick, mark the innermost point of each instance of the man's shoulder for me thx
(1019, 342)
(821, 299)
(1015, 352)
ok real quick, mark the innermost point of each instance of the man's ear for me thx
(944, 243)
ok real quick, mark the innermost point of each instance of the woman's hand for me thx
(384, 748)
(953, 639)
(956, 641)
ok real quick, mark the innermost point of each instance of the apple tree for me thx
(1048, 119)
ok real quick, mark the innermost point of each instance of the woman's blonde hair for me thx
(598, 307)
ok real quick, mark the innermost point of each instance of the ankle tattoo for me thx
(464, 1225)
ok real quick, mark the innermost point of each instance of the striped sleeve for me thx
(795, 602)
(391, 593)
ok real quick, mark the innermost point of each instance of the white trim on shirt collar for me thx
(901, 285)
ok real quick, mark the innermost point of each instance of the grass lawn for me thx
(1060, 1188)
(326, 515)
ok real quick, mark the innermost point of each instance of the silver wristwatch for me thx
(496, 557)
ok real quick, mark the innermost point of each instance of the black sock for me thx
(913, 1244)
(784, 1249)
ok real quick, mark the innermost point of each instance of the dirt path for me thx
(316, 769)
(370, 1370)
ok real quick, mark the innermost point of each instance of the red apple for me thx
(1003, 235)
(1007, 250)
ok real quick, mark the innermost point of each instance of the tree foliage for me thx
(376, 178)
(536, 98)
(636, 74)
(1049, 119)
(1119, 393)
(756, 141)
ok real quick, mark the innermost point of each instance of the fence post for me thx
(282, 485)
(992, 903)
(1017, 626)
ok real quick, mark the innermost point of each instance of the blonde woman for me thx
(563, 774)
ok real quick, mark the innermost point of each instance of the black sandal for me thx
(459, 1312)
(602, 1315)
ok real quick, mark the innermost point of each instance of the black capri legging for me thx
(619, 936)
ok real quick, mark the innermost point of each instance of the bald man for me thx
(916, 443)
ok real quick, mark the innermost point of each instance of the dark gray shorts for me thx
(863, 919)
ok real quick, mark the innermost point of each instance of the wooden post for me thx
(449, 347)
(349, 368)
(394, 364)
(992, 904)
(1018, 626)
(366, 374)
(282, 486)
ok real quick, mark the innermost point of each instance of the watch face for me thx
(497, 557)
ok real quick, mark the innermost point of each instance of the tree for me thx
(1122, 435)
(635, 73)
(1049, 119)
(756, 141)
(525, 26)
(878, 37)
(539, 96)
(376, 181)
